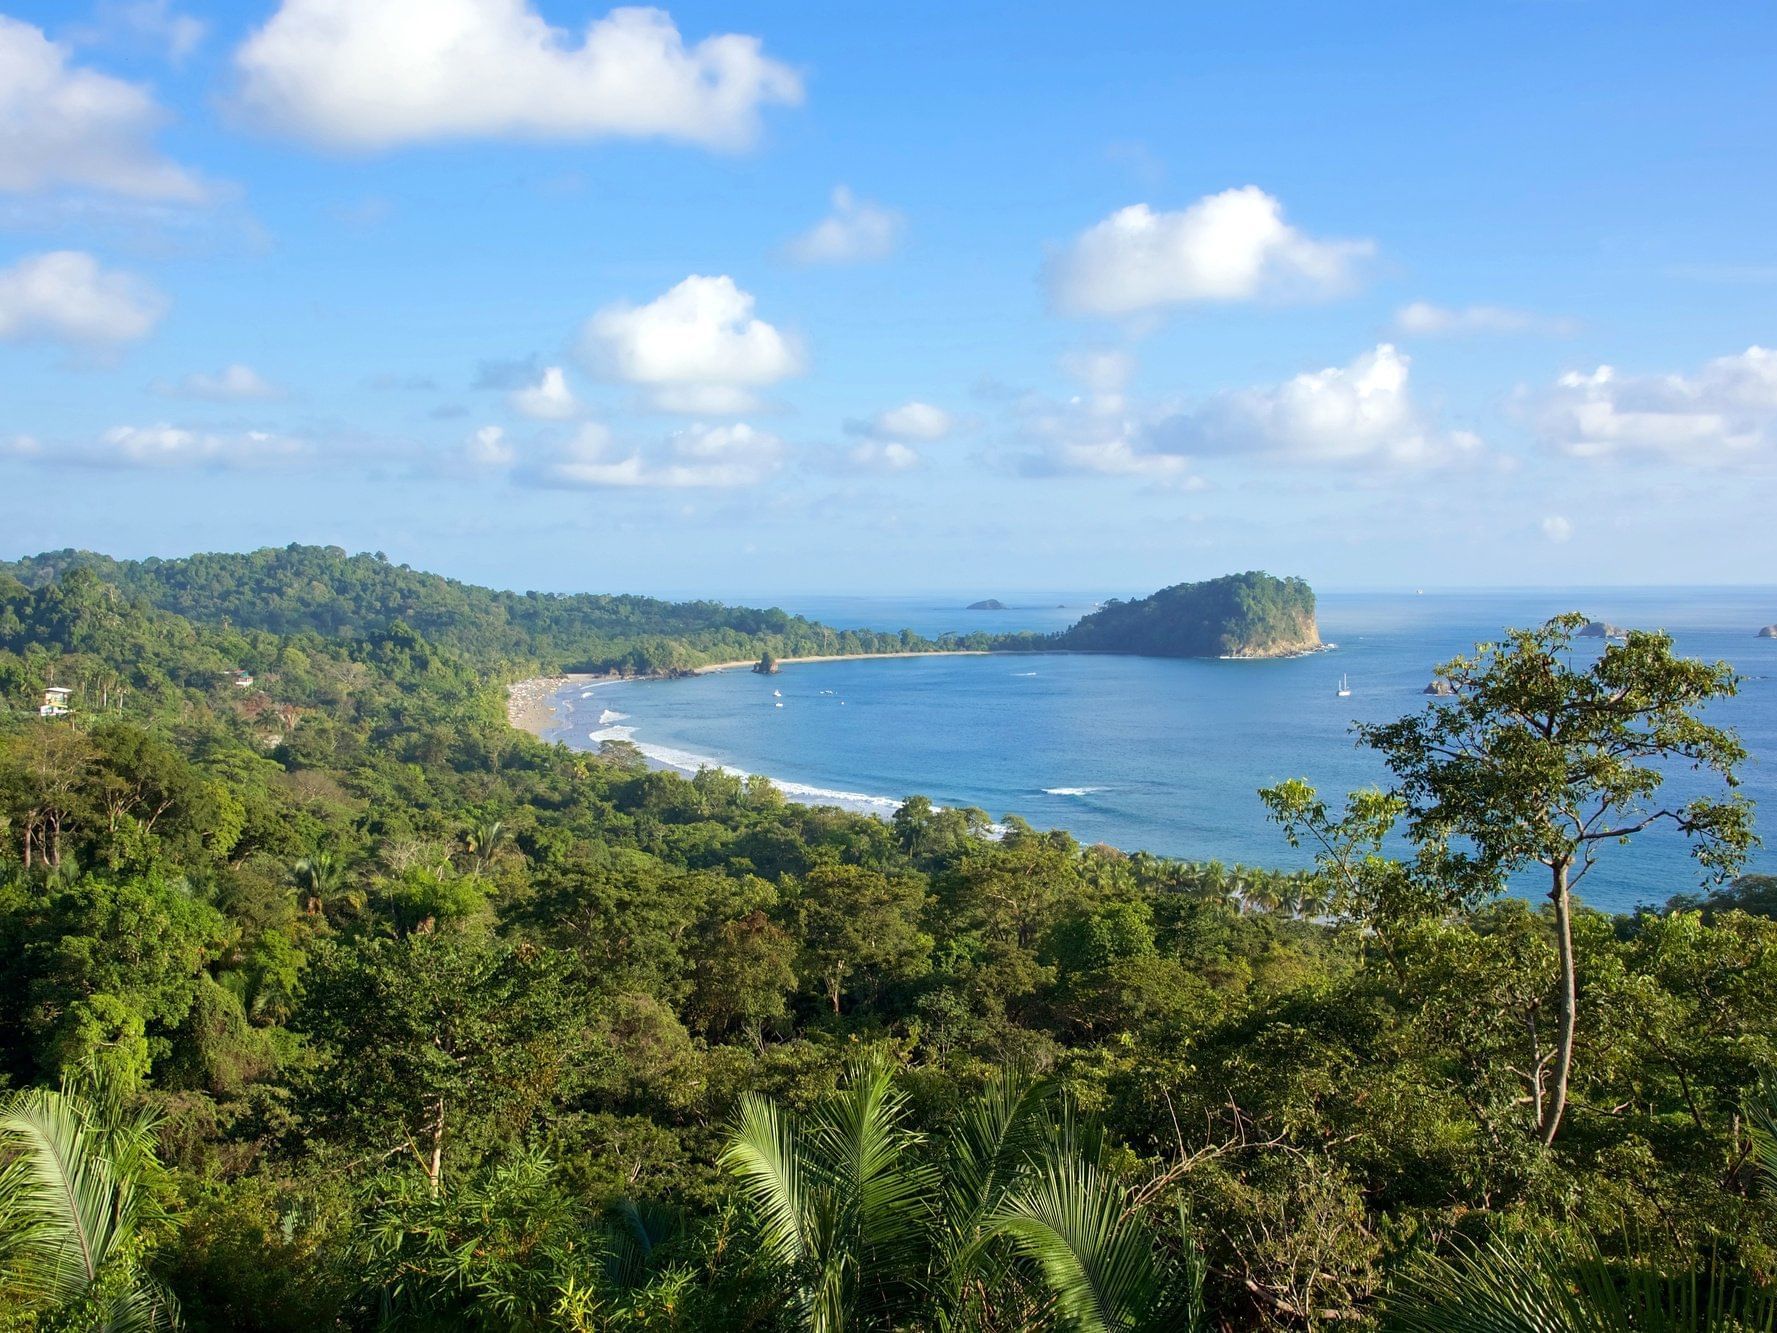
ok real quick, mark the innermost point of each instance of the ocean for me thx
(1148, 753)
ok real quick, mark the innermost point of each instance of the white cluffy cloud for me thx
(1426, 319)
(856, 231)
(888, 437)
(883, 456)
(1725, 413)
(700, 456)
(362, 75)
(698, 347)
(1557, 528)
(1360, 413)
(549, 399)
(65, 296)
(1097, 431)
(489, 447)
(1232, 246)
(909, 423)
(168, 446)
(235, 383)
(63, 126)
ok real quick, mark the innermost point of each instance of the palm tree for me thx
(316, 877)
(76, 1220)
(839, 1199)
(482, 842)
(1012, 1222)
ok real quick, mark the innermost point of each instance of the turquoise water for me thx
(1151, 753)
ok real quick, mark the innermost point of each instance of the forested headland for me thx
(1238, 615)
(328, 1000)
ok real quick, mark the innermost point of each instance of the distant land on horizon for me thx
(323, 589)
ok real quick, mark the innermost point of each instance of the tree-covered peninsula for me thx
(1237, 615)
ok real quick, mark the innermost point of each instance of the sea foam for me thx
(689, 762)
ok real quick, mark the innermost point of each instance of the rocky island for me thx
(990, 604)
(1238, 615)
(1768, 632)
(1603, 629)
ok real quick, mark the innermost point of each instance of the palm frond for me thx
(70, 1209)
(642, 1236)
(1761, 1116)
(1534, 1287)
(861, 1139)
(1070, 1219)
(765, 1152)
(997, 1135)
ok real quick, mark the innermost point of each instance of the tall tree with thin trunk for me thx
(1543, 757)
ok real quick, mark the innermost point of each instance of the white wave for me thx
(1024, 673)
(688, 762)
(801, 791)
(611, 715)
(1071, 791)
(586, 694)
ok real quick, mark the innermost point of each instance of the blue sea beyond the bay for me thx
(1158, 754)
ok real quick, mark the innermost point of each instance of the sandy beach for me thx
(530, 704)
(841, 657)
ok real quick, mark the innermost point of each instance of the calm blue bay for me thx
(1149, 753)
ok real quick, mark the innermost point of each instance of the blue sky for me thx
(870, 298)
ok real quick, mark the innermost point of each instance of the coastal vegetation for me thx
(322, 590)
(1237, 615)
(331, 1001)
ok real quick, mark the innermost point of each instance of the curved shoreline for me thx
(530, 704)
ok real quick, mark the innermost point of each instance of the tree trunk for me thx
(1557, 1102)
(435, 1168)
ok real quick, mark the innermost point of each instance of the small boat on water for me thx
(778, 704)
(777, 694)
(1344, 687)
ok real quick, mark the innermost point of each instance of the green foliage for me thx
(1237, 615)
(1481, 1288)
(439, 1026)
(79, 1218)
(1013, 1219)
(320, 590)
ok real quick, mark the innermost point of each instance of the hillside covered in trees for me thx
(322, 590)
(1237, 615)
(330, 1001)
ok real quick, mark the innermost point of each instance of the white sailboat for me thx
(1344, 687)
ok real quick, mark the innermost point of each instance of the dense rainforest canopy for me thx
(322, 590)
(356, 1008)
